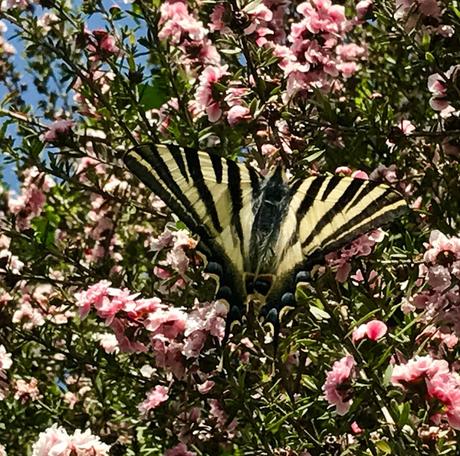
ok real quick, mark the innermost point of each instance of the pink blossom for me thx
(237, 114)
(372, 330)
(121, 328)
(355, 428)
(428, 8)
(102, 44)
(29, 317)
(179, 450)
(205, 96)
(220, 416)
(154, 398)
(30, 202)
(359, 247)
(95, 294)
(170, 322)
(5, 359)
(87, 444)
(26, 390)
(438, 85)
(338, 382)
(445, 387)
(217, 16)
(418, 369)
(205, 387)
(108, 342)
(58, 131)
(53, 442)
(322, 16)
(440, 245)
(362, 7)
(168, 355)
(194, 343)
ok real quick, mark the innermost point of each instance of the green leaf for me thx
(153, 95)
(319, 314)
(383, 446)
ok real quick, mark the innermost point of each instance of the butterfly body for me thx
(261, 235)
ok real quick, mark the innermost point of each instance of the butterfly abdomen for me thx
(269, 212)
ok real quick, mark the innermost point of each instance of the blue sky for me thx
(31, 95)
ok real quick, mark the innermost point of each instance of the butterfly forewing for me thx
(326, 213)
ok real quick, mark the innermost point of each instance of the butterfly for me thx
(261, 235)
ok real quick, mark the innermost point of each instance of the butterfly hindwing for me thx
(325, 214)
(213, 196)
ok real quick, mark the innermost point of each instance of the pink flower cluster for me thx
(35, 308)
(428, 8)
(337, 388)
(8, 261)
(172, 334)
(438, 85)
(29, 204)
(441, 272)
(318, 54)
(212, 101)
(442, 387)
(101, 44)
(358, 248)
(56, 441)
(187, 34)
(177, 244)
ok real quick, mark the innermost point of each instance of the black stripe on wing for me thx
(309, 198)
(139, 165)
(234, 187)
(194, 168)
(384, 209)
(339, 206)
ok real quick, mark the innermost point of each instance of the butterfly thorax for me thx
(269, 210)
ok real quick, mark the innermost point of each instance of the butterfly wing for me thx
(213, 196)
(325, 214)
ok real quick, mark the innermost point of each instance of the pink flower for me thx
(86, 444)
(92, 296)
(429, 8)
(440, 246)
(53, 442)
(29, 317)
(237, 114)
(205, 387)
(355, 428)
(205, 96)
(438, 85)
(25, 391)
(372, 330)
(58, 131)
(179, 450)
(169, 323)
(362, 7)
(155, 397)
(108, 342)
(338, 384)
(102, 44)
(5, 359)
(418, 369)
(446, 389)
